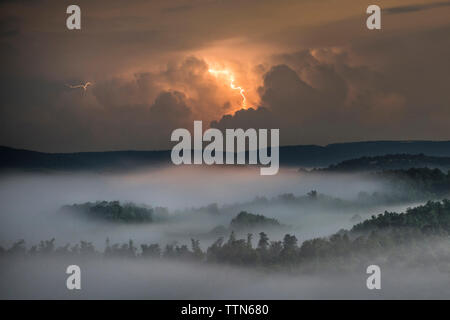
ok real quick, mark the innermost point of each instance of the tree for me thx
(232, 238)
(196, 250)
(151, 251)
(249, 240)
(263, 242)
(312, 194)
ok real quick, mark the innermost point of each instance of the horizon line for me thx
(281, 146)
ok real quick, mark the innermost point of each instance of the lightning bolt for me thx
(84, 86)
(230, 77)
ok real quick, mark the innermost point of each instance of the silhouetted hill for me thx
(391, 162)
(15, 159)
(302, 155)
(434, 215)
(114, 211)
(245, 220)
(333, 153)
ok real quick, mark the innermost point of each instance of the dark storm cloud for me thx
(9, 27)
(180, 8)
(321, 95)
(415, 8)
(71, 119)
(322, 76)
(117, 113)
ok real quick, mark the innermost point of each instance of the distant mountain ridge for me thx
(299, 156)
(16, 159)
(390, 162)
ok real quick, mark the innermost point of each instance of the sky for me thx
(308, 67)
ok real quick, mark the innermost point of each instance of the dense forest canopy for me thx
(246, 220)
(419, 182)
(390, 162)
(385, 234)
(114, 211)
(434, 216)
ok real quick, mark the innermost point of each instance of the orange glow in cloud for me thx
(230, 77)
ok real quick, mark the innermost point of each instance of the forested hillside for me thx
(386, 235)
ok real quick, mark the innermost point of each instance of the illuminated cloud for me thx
(310, 68)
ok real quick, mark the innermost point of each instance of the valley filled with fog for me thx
(29, 204)
(121, 279)
(200, 203)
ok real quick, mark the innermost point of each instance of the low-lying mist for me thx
(199, 200)
(30, 203)
(38, 278)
